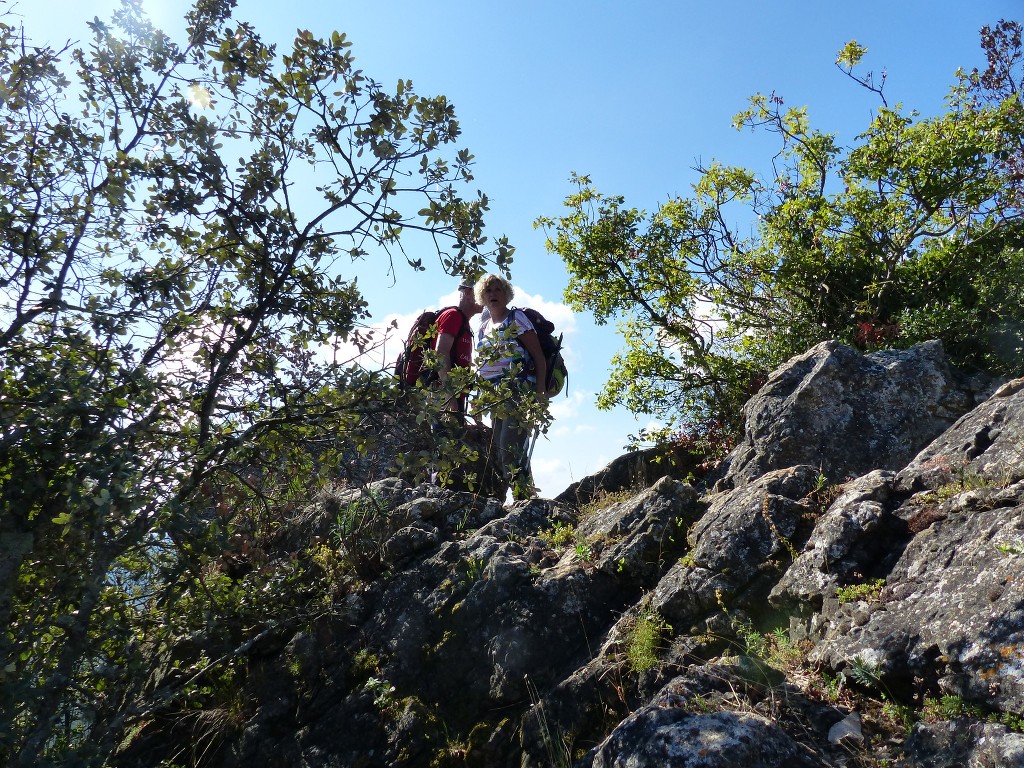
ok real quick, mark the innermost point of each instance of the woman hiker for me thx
(509, 353)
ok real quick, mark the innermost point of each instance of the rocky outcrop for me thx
(863, 548)
(849, 413)
(634, 471)
(950, 619)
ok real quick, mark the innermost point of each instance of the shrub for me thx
(644, 638)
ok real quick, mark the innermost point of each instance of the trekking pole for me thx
(533, 442)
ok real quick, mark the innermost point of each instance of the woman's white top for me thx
(497, 345)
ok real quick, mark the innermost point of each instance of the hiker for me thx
(508, 342)
(454, 333)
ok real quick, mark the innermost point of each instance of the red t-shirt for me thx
(450, 321)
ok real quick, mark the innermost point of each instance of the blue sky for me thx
(633, 94)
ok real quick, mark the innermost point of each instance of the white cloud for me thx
(385, 339)
(547, 473)
(559, 463)
(572, 429)
(555, 311)
(653, 426)
(564, 407)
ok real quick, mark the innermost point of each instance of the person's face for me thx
(494, 295)
(467, 301)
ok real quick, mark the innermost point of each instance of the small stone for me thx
(847, 731)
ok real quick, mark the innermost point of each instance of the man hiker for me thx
(454, 333)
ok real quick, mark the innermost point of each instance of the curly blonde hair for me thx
(491, 279)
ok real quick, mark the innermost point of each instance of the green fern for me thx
(866, 674)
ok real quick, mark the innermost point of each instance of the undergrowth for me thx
(605, 499)
(562, 536)
(644, 638)
(869, 591)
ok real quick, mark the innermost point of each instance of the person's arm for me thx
(531, 343)
(445, 342)
(450, 324)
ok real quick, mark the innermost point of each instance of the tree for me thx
(169, 280)
(913, 232)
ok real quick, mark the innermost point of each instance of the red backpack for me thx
(409, 366)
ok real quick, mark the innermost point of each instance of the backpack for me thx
(409, 366)
(558, 374)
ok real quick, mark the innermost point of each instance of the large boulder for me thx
(951, 617)
(946, 534)
(738, 547)
(849, 413)
(707, 717)
(964, 742)
(636, 539)
(985, 445)
(662, 734)
(853, 541)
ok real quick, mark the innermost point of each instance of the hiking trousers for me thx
(511, 441)
(510, 446)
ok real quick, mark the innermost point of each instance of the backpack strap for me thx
(531, 364)
(514, 313)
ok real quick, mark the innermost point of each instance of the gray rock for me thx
(848, 413)
(637, 537)
(963, 744)
(737, 546)
(666, 732)
(849, 541)
(951, 618)
(635, 470)
(986, 444)
(847, 731)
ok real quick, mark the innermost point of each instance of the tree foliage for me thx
(179, 227)
(912, 232)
